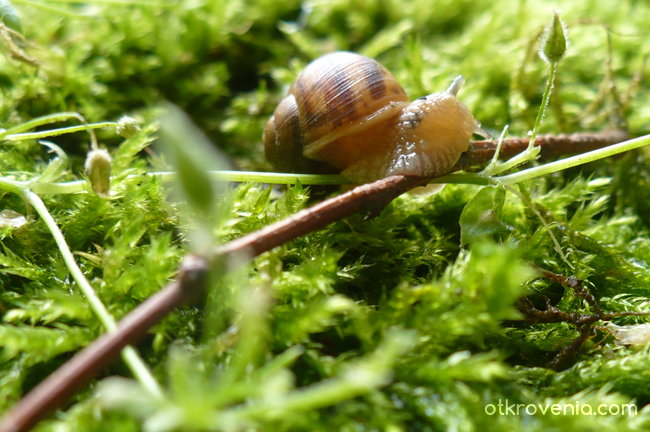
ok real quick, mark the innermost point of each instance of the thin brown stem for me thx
(57, 388)
(582, 321)
(552, 147)
(371, 198)
(80, 369)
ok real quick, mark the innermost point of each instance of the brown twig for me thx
(552, 147)
(582, 321)
(57, 388)
(81, 368)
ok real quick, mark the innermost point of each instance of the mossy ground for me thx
(387, 324)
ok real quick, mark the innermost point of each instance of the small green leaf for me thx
(193, 156)
(57, 166)
(482, 215)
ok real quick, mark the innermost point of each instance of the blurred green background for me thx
(227, 63)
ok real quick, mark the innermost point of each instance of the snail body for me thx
(345, 112)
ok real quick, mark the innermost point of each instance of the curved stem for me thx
(48, 119)
(43, 120)
(56, 132)
(130, 356)
(14, 186)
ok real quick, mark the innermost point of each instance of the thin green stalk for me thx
(130, 356)
(267, 177)
(466, 178)
(78, 186)
(494, 167)
(43, 120)
(497, 151)
(11, 185)
(56, 132)
(542, 108)
(573, 161)
(49, 119)
(95, 303)
(531, 152)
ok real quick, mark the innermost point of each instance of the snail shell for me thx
(345, 112)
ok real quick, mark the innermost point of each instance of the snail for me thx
(346, 112)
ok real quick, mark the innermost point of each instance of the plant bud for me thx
(127, 127)
(98, 170)
(554, 41)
